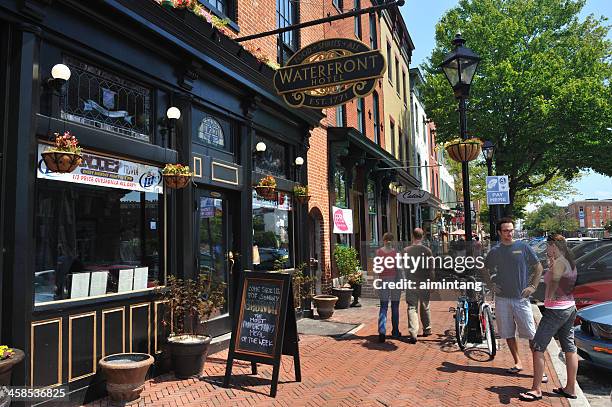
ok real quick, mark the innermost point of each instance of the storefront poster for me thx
(343, 220)
(107, 172)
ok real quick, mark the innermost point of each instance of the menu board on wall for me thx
(265, 326)
(105, 171)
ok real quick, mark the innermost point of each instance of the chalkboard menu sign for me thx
(259, 317)
(264, 327)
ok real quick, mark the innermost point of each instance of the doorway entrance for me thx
(215, 249)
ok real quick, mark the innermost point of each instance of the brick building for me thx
(592, 214)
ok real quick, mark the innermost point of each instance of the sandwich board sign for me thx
(264, 326)
(498, 190)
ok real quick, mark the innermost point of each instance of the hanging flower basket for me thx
(266, 193)
(176, 176)
(65, 154)
(300, 192)
(463, 150)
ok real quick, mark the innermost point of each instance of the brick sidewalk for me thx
(358, 371)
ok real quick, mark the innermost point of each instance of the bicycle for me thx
(474, 320)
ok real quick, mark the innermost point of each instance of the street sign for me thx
(498, 190)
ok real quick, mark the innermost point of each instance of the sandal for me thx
(513, 370)
(529, 396)
(562, 393)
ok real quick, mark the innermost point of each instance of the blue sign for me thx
(580, 215)
(498, 190)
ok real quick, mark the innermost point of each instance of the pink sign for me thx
(343, 220)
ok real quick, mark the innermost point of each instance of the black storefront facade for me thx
(83, 252)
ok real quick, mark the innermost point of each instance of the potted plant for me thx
(302, 285)
(8, 359)
(65, 154)
(176, 176)
(355, 280)
(347, 263)
(190, 305)
(301, 193)
(266, 188)
(125, 375)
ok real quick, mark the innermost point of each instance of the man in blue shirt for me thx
(516, 273)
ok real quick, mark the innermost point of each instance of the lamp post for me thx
(488, 149)
(459, 66)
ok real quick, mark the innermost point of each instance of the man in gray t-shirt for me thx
(517, 274)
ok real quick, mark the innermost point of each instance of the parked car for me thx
(594, 335)
(595, 266)
(593, 293)
(575, 241)
(586, 247)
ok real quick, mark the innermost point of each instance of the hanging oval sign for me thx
(328, 73)
(413, 196)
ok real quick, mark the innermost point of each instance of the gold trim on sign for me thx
(59, 349)
(157, 303)
(197, 167)
(109, 311)
(212, 173)
(148, 305)
(94, 360)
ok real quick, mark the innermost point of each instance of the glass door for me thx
(215, 257)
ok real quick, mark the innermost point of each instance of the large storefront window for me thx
(273, 161)
(340, 187)
(98, 231)
(272, 232)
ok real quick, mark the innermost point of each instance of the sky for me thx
(421, 21)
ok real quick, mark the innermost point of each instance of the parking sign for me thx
(498, 190)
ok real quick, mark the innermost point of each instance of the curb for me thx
(558, 362)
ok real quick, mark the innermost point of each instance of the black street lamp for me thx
(488, 149)
(459, 66)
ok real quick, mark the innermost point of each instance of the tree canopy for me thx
(550, 218)
(542, 92)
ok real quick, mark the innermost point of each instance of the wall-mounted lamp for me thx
(173, 113)
(299, 161)
(260, 147)
(60, 74)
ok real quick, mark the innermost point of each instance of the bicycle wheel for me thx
(489, 332)
(461, 325)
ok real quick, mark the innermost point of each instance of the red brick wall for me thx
(258, 16)
(591, 211)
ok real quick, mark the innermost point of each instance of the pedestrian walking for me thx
(389, 274)
(558, 319)
(418, 299)
(517, 270)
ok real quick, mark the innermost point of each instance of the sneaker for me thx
(396, 335)
(412, 340)
(427, 333)
(356, 305)
(381, 338)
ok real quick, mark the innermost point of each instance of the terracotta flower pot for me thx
(61, 161)
(177, 181)
(6, 366)
(325, 305)
(267, 193)
(125, 375)
(188, 354)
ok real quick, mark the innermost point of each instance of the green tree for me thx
(550, 218)
(541, 93)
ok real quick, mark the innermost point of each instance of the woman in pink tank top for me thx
(558, 319)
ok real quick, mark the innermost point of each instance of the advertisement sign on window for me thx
(106, 171)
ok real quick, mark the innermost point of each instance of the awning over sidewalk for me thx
(359, 150)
